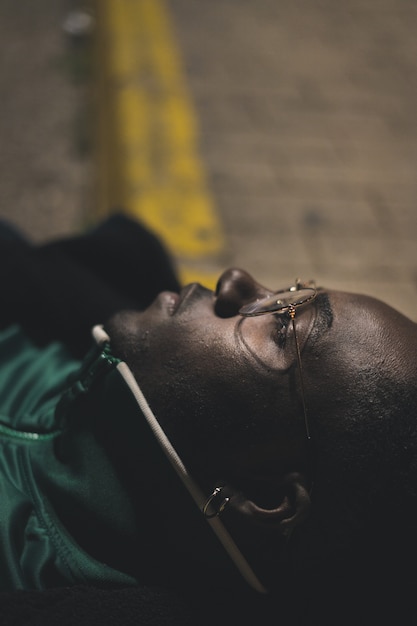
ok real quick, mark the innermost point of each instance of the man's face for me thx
(226, 389)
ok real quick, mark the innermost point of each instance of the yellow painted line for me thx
(148, 157)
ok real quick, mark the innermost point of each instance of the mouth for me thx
(170, 301)
(185, 294)
(174, 303)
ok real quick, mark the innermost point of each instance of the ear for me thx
(292, 505)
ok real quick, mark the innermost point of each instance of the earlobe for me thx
(292, 505)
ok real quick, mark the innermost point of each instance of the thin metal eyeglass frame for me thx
(276, 304)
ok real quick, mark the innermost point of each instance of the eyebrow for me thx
(324, 317)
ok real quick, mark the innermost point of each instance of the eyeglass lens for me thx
(286, 302)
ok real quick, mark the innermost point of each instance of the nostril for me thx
(225, 307)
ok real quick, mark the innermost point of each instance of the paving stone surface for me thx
(307, 130)
(45, 167)
(307, 117)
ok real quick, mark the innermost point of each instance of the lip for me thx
(183, 296)
(170, 300)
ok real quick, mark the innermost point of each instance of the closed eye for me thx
(280, 330)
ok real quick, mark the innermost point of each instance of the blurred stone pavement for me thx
(306, 114)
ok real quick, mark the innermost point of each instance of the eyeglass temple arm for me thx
(291, 313)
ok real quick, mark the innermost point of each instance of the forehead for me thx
(347, 323)
(366, 310)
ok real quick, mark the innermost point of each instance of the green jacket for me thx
(91, 489)
(36, 549)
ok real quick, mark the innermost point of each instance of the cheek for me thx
(186, 354)
(202, 362)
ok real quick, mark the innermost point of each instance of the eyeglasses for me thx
(286, 302)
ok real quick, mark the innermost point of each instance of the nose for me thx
(235, 288)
